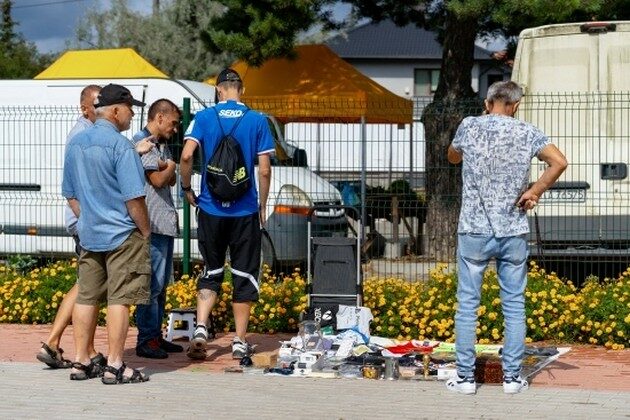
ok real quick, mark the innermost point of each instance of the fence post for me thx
(363, 173)
(186, 206)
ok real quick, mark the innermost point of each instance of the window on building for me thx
(425, 81)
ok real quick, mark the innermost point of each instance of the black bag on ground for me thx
(324, 314)
(226, 172)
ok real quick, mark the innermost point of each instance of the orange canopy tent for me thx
(318, 86)
(96, 64)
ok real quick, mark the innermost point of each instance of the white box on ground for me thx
(446, 373)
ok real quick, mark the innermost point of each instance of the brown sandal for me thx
(54, 359)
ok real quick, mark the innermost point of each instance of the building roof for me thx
(386, 40)
(95, 64)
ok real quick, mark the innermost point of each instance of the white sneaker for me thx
(514, 385)
(241, 348)
(466, 386)
(197, 349)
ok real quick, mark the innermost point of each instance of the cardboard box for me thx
(266, 359)
(489, 370)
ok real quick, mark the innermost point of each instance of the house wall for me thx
(397, 75)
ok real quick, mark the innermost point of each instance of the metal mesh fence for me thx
(582, 224)
(386, 170)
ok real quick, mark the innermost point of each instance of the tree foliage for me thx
(170, 38)
(19, 59)
(257, 30)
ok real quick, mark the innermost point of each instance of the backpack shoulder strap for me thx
(238, 121)
(216, 113)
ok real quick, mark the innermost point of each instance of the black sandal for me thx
(54, 359)
(99, 359)
(120, 378)
(84, 371)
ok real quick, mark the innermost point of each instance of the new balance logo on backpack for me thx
(226, 172)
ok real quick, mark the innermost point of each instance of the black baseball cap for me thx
(115, 94)
(228, 75)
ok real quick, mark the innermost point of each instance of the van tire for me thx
(267, 251)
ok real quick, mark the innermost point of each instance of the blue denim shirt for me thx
(102, 171)
(70, 219)
(497, 154)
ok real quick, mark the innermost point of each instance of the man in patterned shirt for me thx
(496, 150)
(159, 168)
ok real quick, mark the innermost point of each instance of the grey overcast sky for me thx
(50, 23)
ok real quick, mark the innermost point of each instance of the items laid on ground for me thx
(345, 349)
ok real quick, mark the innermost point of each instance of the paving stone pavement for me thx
(589, 382)
(30, 391)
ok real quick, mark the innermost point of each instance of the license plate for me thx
(566, 195)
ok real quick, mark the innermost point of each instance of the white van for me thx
(35, 117)
(577, 90)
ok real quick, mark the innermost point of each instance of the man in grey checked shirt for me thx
(159, 167)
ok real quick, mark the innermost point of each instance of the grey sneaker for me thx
(241, 348)
(514, 384)
(466, 386)
(197, 349)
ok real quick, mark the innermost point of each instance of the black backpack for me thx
(226, 172)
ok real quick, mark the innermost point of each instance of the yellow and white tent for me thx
(123, 63)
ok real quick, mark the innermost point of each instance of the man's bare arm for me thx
(264, 181)
(74, 206)
(162, 178)
(454, 156)
(137, 209)
(557, 164)
(185, 169)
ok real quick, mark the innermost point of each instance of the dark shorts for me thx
(121, 276)
(242, 236)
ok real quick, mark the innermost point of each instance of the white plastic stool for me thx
(187, 329)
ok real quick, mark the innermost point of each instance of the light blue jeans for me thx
(473, 254)
(149, 317)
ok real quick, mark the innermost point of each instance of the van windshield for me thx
(285, 153)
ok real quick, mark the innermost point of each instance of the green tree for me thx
(169, 38)
(257, 30)
(19, 59)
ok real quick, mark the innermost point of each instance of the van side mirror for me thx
(299, 158)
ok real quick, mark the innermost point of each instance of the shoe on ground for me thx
(151, 350)
(197, 349)
(514, 384)
(241, 348)
(99, 363)
(169, 346)
(461, 385)
(53, 357)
